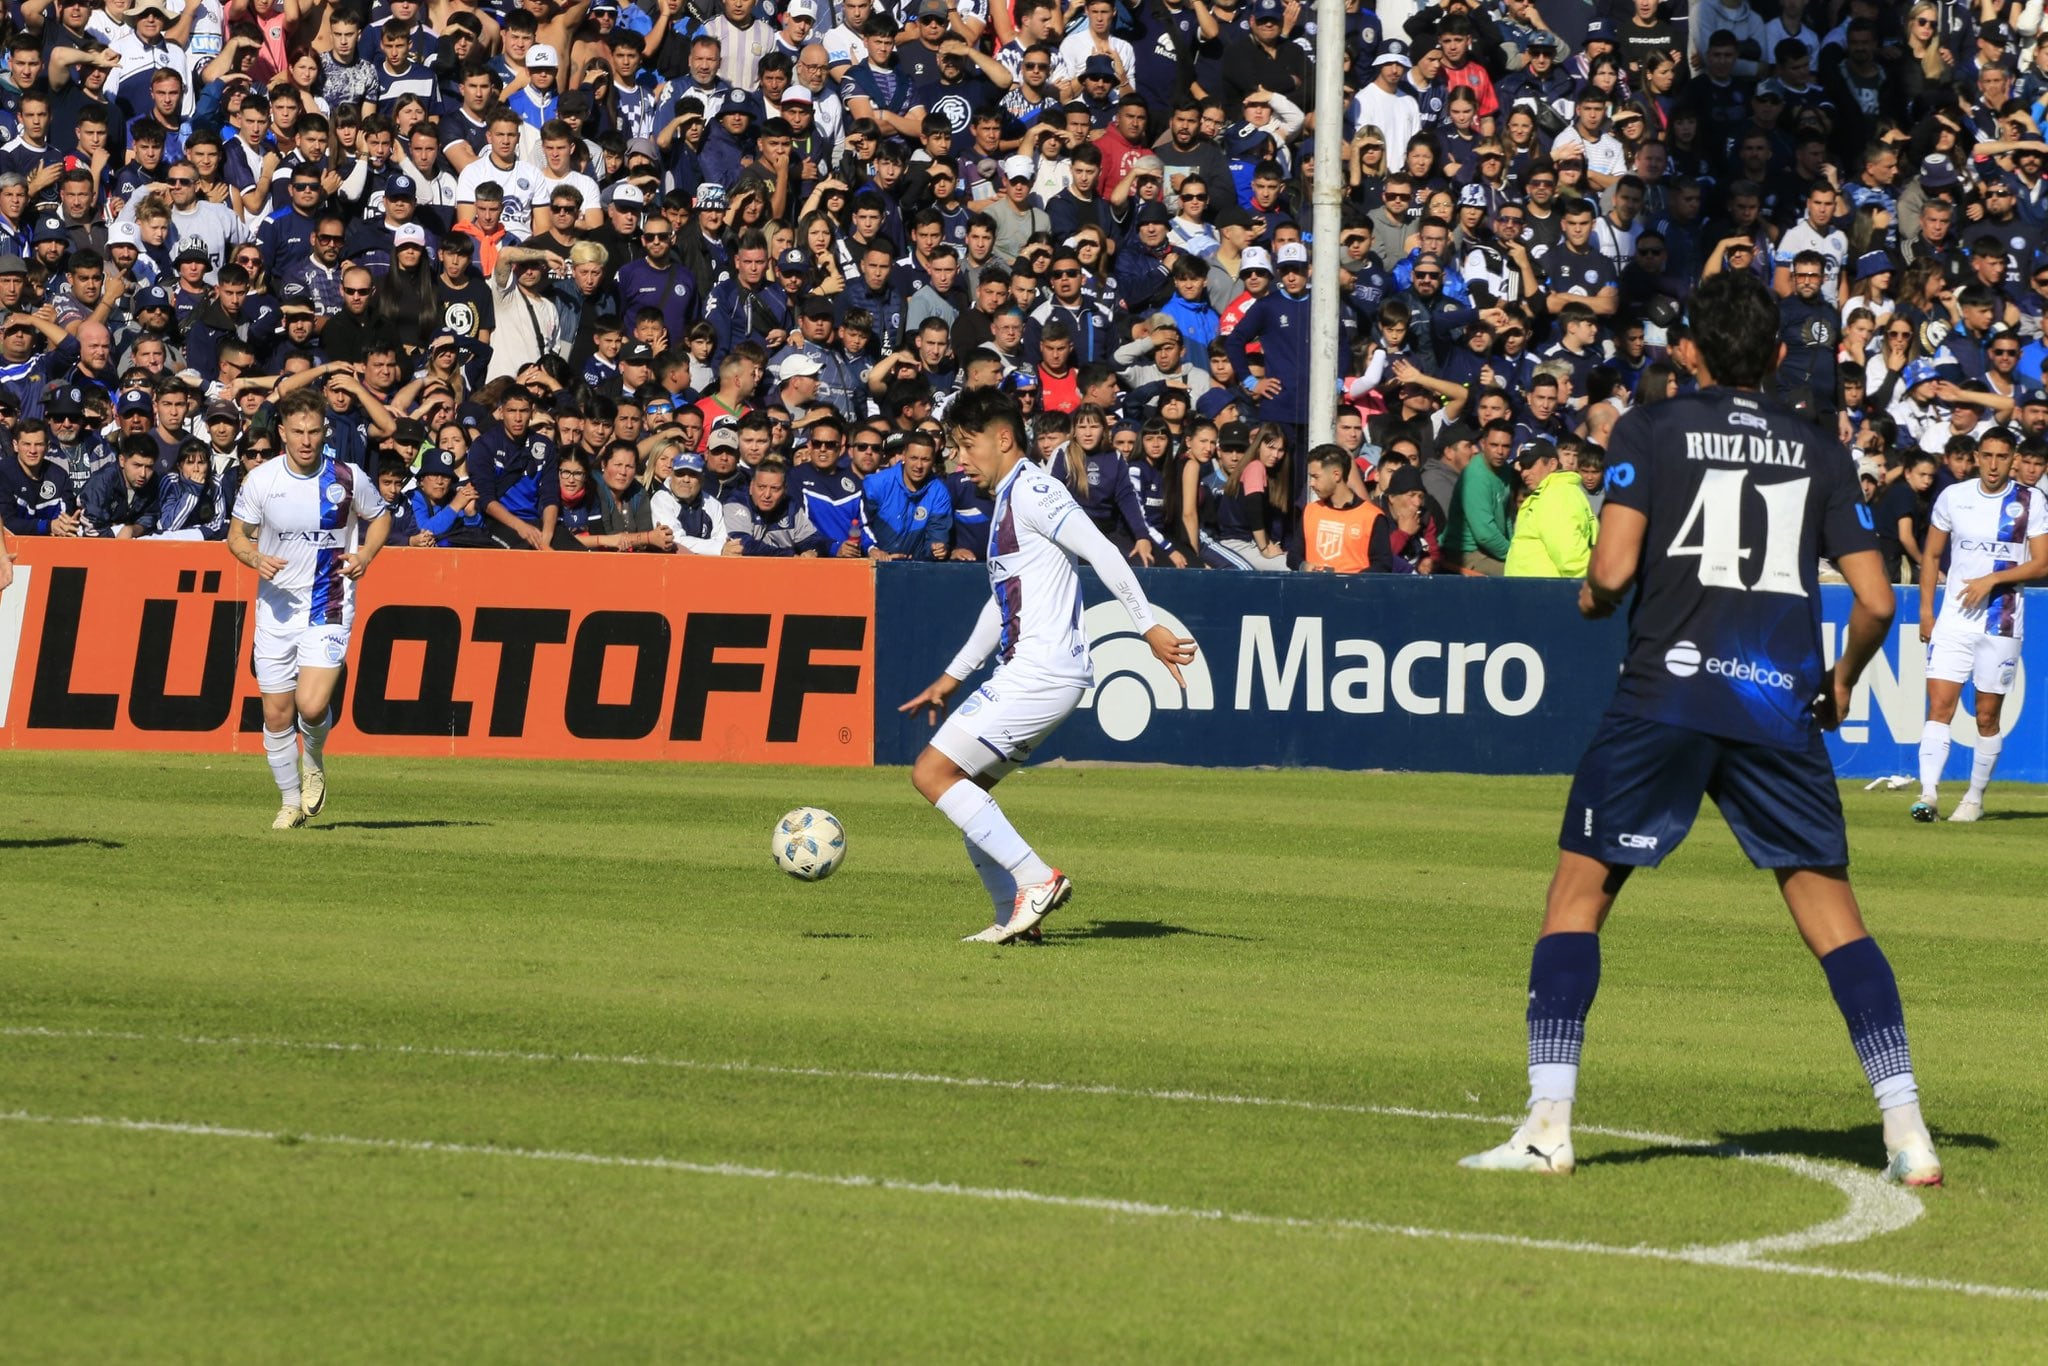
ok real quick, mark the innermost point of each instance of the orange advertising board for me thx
(462, 652)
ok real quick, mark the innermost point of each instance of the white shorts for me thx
(1002, 721)
(281, 651)
(1966, 656)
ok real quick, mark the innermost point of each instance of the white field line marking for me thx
(1129, 1208)
(1875, 1208)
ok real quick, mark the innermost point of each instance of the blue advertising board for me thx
(1449, 675)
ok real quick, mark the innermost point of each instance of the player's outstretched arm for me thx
(1078, 536)
(1616, 557)
(988, 631)
(1870, 621)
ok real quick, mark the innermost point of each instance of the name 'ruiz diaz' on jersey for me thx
(1743, 498)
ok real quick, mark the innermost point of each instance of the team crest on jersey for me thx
(1592, 276)
(1329, 539)
(337, 649)
(335, 494)
(2012, 509)
(917, 516)
(49, 488)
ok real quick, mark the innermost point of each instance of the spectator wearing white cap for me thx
(796, 386)
(1016, 214)
(534, 95)
(1385, 103)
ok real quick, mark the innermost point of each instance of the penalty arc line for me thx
(1007, 1195)
(1874, 1207)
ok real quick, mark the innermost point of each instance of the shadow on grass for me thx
(1858, 1146)
(1139, 929)
(60, 842)
(395, 825)
(828, 934)
(2014, 816)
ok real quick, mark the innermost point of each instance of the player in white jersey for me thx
(295, 524)
(1996, 533)
(1033, 624)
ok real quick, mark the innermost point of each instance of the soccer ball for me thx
(809, 844)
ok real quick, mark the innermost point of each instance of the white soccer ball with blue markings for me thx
(809, 844)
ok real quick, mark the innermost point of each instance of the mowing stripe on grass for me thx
(1875, 1208)
(1004, 1195)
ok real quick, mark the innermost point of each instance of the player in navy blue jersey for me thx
(1719, 505)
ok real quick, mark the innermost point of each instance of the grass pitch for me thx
(502, 1061)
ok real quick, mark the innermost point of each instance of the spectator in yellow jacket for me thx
(1554, 531)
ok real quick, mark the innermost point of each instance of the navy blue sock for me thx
(1868, 997)
(1564, 974)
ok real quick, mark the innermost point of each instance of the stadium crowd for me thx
(693, 277)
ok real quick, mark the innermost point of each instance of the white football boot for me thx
(1913, 1163)
(1547, 1154)
(289, 818)
(1035, 904)
(1968, 809)
(312, 789)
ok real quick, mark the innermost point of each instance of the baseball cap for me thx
(793, 261)
(438, 461)
(192, 251)
(689, 462)
(1152, 211)
(1254, 258)
(1472, 197)
(540, 55)
(135, 401)
(401, 187)
(1996, 33)
(1018, 168)
(1266, 9)
(1406, 479)
(2036, 397)
(1023, 377)
(796, 365)
(818, 306)
(802, 9)
(218, 411)
(710, 195)
(725, 438)
(624, 193)
(1542, 41)
(933, 9)
(50, 228)
(639, 353)
(1291, 254)
(797, 94)
(1534, 451)
(151, 296)
(409, 234)
(66, 400)
(1235, 436)
(1456, 434)
(123, 235)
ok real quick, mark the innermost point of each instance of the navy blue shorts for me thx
(1639, 785)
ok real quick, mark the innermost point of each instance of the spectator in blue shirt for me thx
(906, 514)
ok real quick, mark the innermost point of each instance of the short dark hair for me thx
(977, 410)
(1734, 324)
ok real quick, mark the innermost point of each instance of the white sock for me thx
(281, 748)
(1553, 1082)
(1002, 888)
(984, 823)
(1934, 738)
(1903, 1123)
(1988, 748)
(315, 738)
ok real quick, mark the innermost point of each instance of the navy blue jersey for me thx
(1743, 497)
